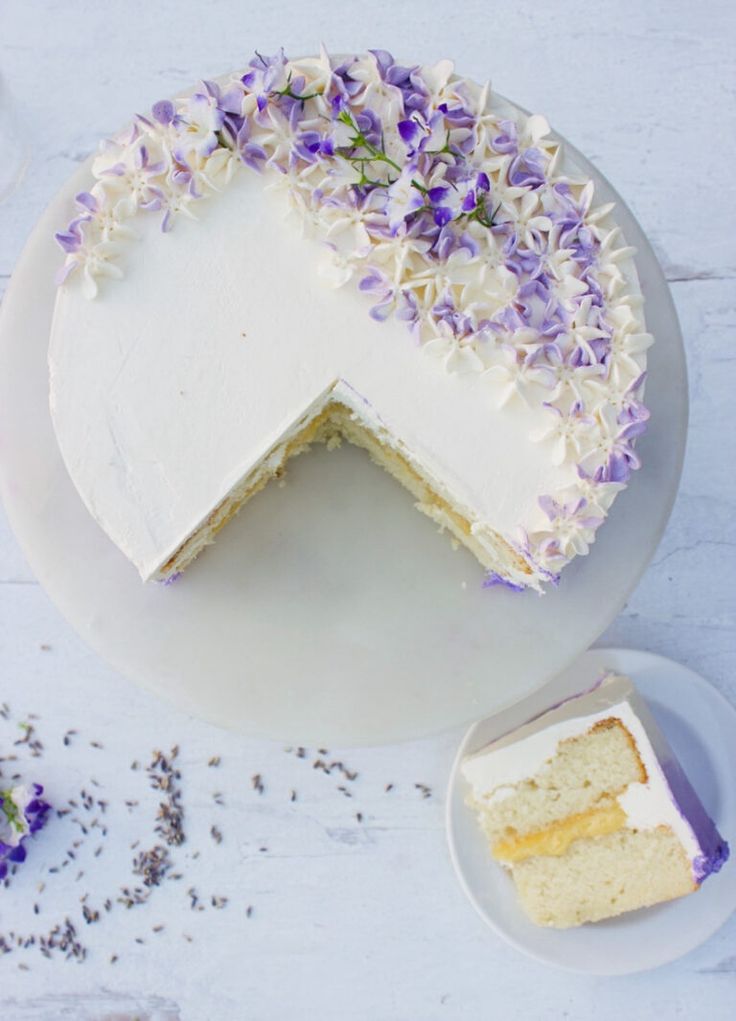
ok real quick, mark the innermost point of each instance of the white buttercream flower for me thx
(628, 343)
(513, 377)
(93, 256)
(614, 388)
(457, 355)
(564, 430)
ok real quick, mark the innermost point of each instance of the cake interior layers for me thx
(332, 424)
(565, 836)
(604, 876)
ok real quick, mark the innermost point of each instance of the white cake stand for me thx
(329, 610)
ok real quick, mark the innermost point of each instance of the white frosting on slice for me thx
(493, 772)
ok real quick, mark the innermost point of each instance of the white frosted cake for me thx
(590, 811)
(446, 294)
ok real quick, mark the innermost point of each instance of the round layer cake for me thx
(444, 292)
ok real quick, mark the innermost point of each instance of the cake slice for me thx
(591, 812)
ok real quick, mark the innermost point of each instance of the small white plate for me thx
(701, 727)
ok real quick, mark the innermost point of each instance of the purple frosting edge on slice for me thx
(715, 851)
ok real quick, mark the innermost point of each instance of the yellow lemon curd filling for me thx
(556, 838)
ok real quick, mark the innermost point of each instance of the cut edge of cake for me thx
(337, 417)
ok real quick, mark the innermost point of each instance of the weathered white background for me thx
(361, 919)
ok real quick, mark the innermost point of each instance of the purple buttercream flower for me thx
(370, 126)
(70, 240)
(406, 80)
(528, 168)
(446, 312)
(508, 141)
(409, 130)
(384, 61)
(469, 202)
(267, 74)
(442, 215)
(310, 145)
(561, 511)
(457, 116)
(615, 447)
(347, 87)
(163, 112)
(407, 310)
(377, 283)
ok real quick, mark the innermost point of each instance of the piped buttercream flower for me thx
(564, 430)
(570, 531)
(610, 446)
(513, 375)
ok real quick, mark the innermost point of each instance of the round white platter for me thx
(329, 610)
(701, 727)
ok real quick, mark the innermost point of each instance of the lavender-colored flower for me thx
(370, 126)
(457, 116)
(267, 74)
(565, 362)
(204, 121)
(613, 450)
(377, 283)
(311, 145)
(634, 414)
(22, 813)
(404, 198)
(405, 79)
(458, 323)
(508, 141)
(164, 112)
(407, 310)
(409, 131)
(527, 169)
(573, 528)
(347, 87)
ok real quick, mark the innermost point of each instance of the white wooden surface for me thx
(352, 918)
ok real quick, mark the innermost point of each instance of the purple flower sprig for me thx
(289, 93)
(23, 812)
(376, 154)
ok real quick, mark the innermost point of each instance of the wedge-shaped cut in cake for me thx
(591, 812)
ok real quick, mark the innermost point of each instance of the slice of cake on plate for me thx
(591, 812)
